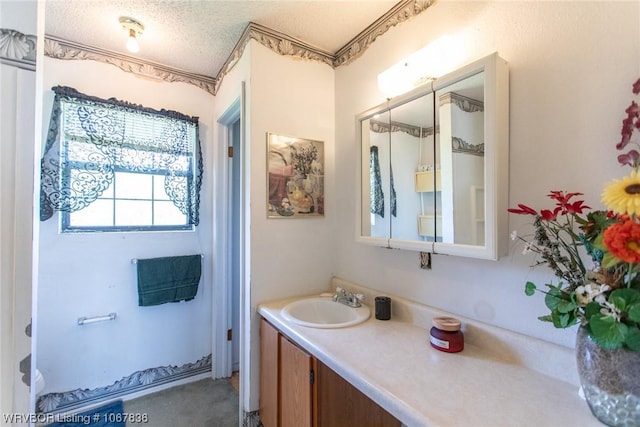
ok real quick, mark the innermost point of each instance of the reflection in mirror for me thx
(412, 170)
(377, 182)
(460, 116)
(442, 151)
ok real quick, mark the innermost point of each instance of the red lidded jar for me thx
(446, 334)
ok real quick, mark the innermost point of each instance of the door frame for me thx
(222, 295)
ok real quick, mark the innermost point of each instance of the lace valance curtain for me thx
(89, 139)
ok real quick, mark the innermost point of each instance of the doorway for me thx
(235, 212)
(229, 239)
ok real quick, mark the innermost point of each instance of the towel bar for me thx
(86, 320)
(135, 260)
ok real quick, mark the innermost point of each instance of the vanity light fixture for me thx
(432, 61)
(134, 29)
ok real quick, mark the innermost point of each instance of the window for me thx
(133, 201)
(115, 166)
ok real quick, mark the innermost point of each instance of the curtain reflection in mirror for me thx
(377, 196)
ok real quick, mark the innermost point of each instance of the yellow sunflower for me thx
(623, 195)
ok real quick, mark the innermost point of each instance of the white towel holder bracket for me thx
(87, 320)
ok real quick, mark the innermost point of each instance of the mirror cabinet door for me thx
(435, 165)
(413, 185)
(460, 118)
(376, 177)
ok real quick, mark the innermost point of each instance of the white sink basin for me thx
(324, 312)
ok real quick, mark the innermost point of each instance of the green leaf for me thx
(632, 340)
(564, 306)
(553, 298)
(630, 296)
(607, 331)
(598, 243)
(546, 318)
(591, 309)
(563, 320)
(618, 302)
(634, 312)
(609, 260)
(530, 288)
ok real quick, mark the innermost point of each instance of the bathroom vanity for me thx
(500, 379)
(297, 389)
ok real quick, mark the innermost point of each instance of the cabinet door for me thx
(295, 385)
(341, 404)
(268, 374)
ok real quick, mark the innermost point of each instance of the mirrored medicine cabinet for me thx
(434, 165)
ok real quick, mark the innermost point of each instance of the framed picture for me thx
(295, 177)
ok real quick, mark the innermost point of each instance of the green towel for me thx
(168, 279)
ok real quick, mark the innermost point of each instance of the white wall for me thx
(405, 152)
(571, 69)
(289, 256)
(17, 136)
(91, 274)
(19, 15)
(17, 112)
(230, 92)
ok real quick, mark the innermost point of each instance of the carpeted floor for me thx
(204, 403)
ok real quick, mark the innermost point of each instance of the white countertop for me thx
(393, 363)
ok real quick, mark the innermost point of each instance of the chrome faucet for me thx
(348, 298)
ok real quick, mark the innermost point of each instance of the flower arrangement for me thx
(605, 298)
(303, 158)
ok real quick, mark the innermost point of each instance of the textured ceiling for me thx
(198, 36)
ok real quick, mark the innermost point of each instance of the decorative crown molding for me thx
(459, 145)
(401, 12)
(17, 49)
(468, 105)
(278, 42)
(383, 127)
(285, 45)
(58, 48)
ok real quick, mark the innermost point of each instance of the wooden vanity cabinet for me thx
(286, 381)
(341, 404)
(297, 390)
(269, 384)
(296, 385)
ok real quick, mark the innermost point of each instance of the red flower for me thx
(576, 207)
(548, 215)
(565, 205)
(629, 122)
(636, 87)
(631, 158)
(524, 210)
(561, 196)
(623, 241)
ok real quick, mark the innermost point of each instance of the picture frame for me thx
(295, 177)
